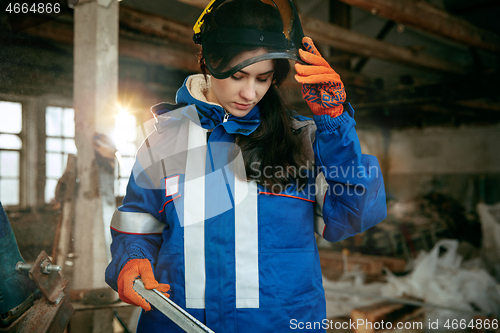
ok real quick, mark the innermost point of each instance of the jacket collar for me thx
(194, 90)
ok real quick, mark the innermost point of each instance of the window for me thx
(60, 142)
(125, 136)
(10, 152)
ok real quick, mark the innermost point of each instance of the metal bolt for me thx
(46, 267)
(23, 267)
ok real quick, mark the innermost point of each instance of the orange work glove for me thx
(134, 269)
(322, 88)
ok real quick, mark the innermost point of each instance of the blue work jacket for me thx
(239, 257)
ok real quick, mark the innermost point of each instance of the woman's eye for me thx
(262, 79)
(235, 78)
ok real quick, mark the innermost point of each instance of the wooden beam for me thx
(380, 36)
(157, 25)
(176, 55)
(131, 44)
(339, 14)
(424, 16)
(353, 42)
(350, 41)
(161, 51)
(158, 54)
(448, 92)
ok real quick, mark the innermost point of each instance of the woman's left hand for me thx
(322, 87)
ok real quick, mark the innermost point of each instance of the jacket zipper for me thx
(226, 116)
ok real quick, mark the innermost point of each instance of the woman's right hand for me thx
(134, 269)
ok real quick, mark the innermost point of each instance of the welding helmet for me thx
(227, 28)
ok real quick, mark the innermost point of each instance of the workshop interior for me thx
(421, 75)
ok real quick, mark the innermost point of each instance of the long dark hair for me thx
(271, 154)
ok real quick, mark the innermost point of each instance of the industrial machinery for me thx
(32, 297)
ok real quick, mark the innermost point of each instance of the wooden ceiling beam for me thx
(180, 54)
(156, 25)
(131, 45)
(170, 30)
(424, 16)
(482, 94)
(360, 44)
(353, 42)
(170, 56)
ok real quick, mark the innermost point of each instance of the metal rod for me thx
(122, 323)
(173, 311)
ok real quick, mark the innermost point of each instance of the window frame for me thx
(32, 173)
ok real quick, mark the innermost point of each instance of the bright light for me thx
(119, 157)
(125, 125)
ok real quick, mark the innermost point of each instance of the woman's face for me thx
(239, 93)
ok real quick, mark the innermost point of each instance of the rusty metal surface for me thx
(46, 317)
(15, 326)
(43, 317)
(51, 285)
(50, 313)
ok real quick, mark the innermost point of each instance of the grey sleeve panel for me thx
(322, 188)
(306, 130)
(136, 223)
(163, 151)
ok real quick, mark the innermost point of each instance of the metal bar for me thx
(122, 323)
(177, 314)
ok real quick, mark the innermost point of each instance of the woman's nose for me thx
(248, 91)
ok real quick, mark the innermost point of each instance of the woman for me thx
(220, 207)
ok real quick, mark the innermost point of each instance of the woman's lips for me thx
(242, 106)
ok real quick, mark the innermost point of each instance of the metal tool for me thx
(177, 314)
(32, 296)
(16, 289)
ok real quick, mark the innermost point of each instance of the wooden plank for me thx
(159, 54)
(470, 88)
(172, 54)
(372, 314)
(130, 44)
(333, 264)
(350, 41)
(426, 17)
(353, 42)
(375, 318)
(66, 196)
(153, 50)
(156, 25)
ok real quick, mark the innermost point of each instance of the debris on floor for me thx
(455, 281)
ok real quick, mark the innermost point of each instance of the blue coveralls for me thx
(238, 257)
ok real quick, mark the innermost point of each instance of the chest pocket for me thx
(286, 221)
(173, 211)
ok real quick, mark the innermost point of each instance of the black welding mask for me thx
(227, 28)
